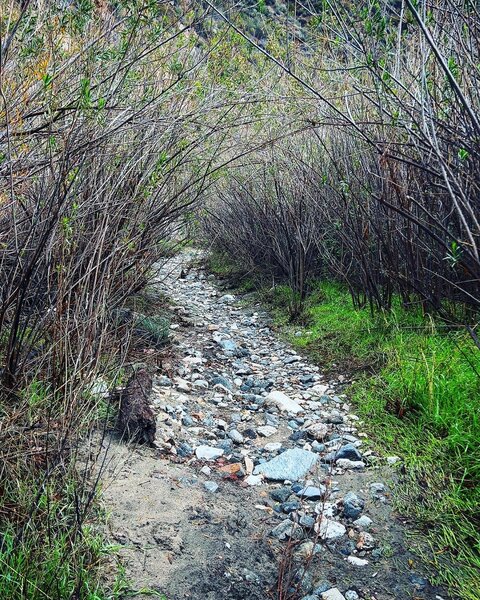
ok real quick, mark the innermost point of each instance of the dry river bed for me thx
(260, 485)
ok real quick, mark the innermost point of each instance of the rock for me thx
(307, 549)
(272, 446)
(208, 453)
(352, 505)
(332, 594)
(348, 451)
(345, 463)
(311, 492)
(206, 470)
(187, 421)
(235, 436)
(227, 299)
(363, 522)
(251, 576)
(283, 402)
(287, 529)
(292, 464)
(377, 489)
(163, 381)
(317, 447)
(200, 383)
(281, 494)
(184, 450)
(357, 562)
(266, 431)
(310, 596)
(328, 529)
(307, 521)
(223, 381)
(289, 507)
(319, 431)
(365, 541)
(391, 460)
(351, 595)
(253, 480)
(231, 468)
(136, 419)
(318, 390)
(210, 486)
(228, 345)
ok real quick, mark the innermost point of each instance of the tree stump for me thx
(136, 420)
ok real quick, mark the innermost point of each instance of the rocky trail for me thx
(260, 485)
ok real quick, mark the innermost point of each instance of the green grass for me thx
(417, 390)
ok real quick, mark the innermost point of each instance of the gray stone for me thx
(345, 463)
(351, 595)
(228, 345)
(266, 430)
(377, 489)
(363, 522)
(281, 494)
(292, 464)
(307, 521)
(331, 530)
(348, 451)
(223, 381)
(287, 529)
(210, 486)
(311, 492)
(235, 436)
(352, 505)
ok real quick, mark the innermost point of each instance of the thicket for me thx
(380, 195)
(107, 139)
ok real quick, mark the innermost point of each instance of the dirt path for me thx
(259, 469)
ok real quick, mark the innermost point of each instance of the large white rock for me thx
(266, 430)
(293, 464)
(208, 452)
(283, 402)
(328, 529)
(319, 431)
(357, 562)
(333, 594)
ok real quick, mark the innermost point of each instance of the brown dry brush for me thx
(392, 163)
(105, 147)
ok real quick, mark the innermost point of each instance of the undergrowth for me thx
(416, 388)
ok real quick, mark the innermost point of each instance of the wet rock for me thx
(352, 505)
(292, 464)
(283, 402)
(208, 453)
